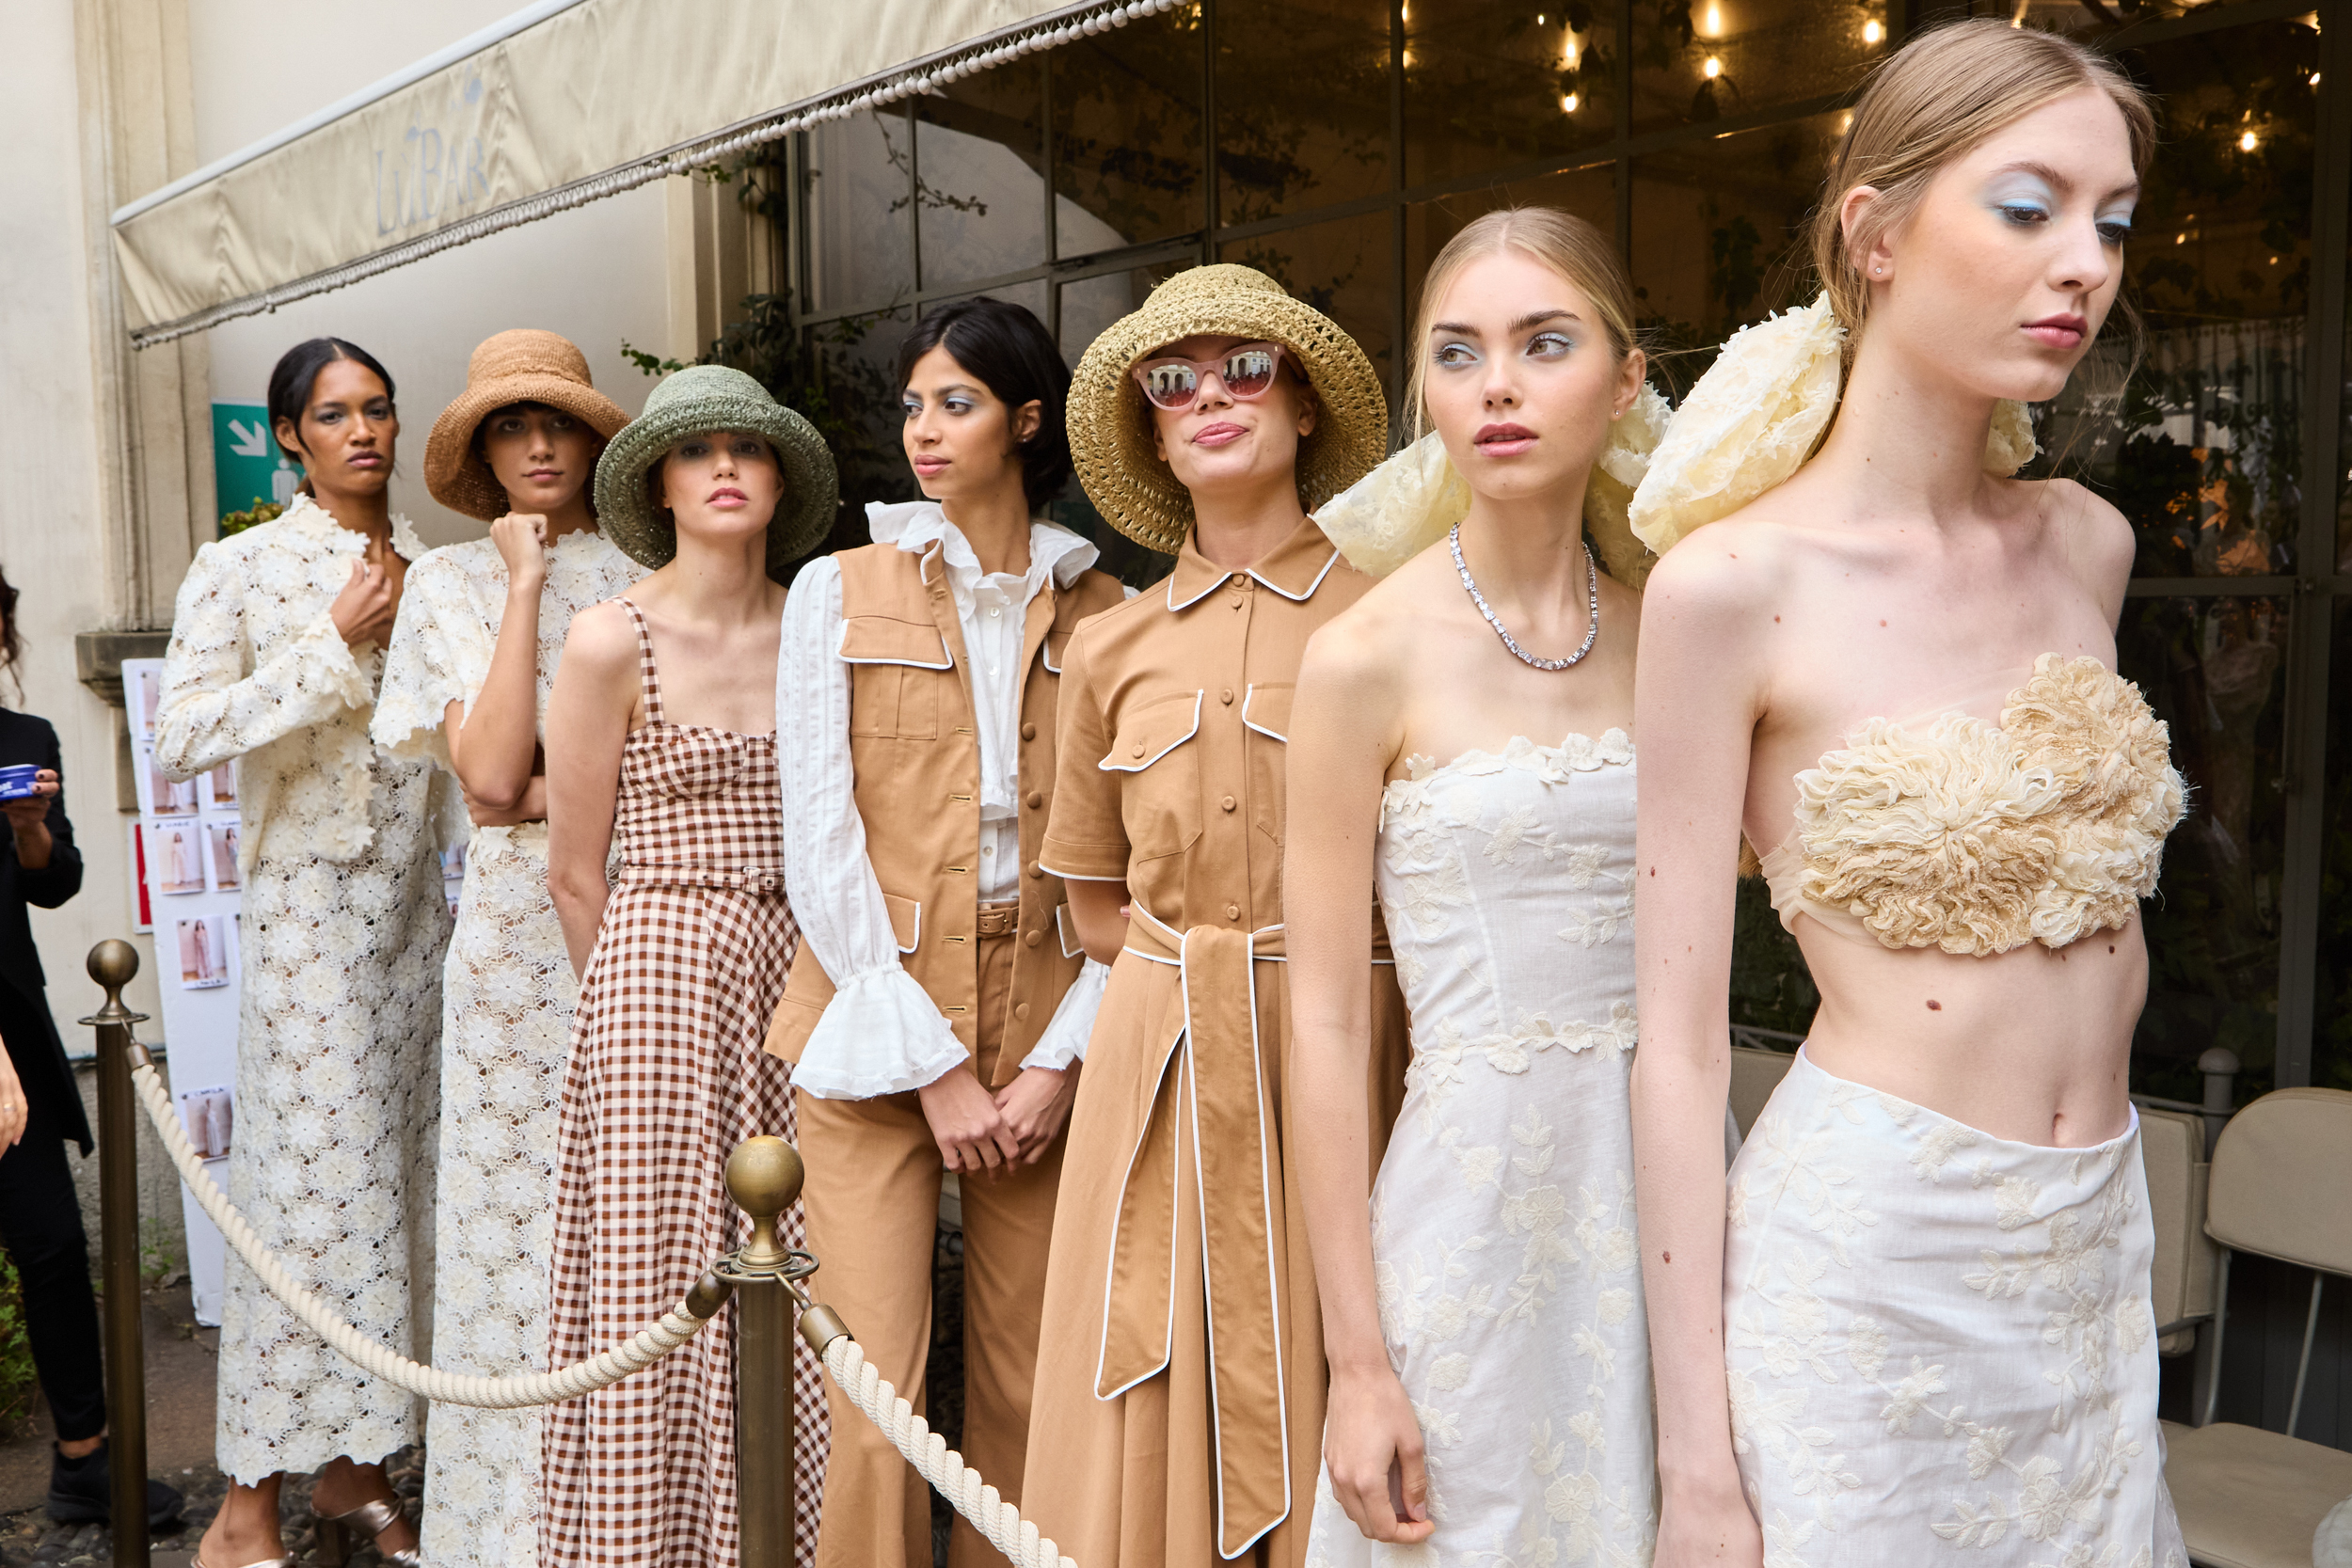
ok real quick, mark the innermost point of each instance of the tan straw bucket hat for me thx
(525, 365)
(1110, 429)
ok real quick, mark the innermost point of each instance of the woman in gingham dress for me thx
(683, 957)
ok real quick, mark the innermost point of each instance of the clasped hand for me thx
(982, 1133)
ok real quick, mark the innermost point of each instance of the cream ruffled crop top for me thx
(1976, 838)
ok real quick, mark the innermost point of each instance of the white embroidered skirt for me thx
(1941, 1340)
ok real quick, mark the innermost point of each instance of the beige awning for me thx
(562, 104)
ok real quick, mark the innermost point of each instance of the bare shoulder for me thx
(602, 641)
(2098, 540)
(1729, 574)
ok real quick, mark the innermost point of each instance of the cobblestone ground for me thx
(31, 1540)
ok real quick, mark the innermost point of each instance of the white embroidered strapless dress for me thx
(1503, 1228)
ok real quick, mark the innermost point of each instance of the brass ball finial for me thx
(113, 964)
(763, 1177)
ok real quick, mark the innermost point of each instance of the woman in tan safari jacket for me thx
(941, 1002)
(1179, 1419)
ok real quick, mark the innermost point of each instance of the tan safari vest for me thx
(915, 748)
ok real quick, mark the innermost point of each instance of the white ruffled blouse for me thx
(257, 669)
(881, 1033)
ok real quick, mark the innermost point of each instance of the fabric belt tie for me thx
(762, 879)
(1208, 1098)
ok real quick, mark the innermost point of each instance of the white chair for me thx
(2249, 1497)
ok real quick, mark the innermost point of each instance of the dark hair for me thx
(297, 371)
(1015, 357)
(11, 646)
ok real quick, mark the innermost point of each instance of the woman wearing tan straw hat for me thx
(1179, 1419)
(275, 658)
(472, 660)
(662, 746)
(1461, 762)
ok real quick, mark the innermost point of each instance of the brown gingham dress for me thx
(666, 1076)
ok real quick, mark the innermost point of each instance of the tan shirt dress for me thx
(1178, 1415)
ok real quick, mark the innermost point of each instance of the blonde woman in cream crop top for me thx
(1893, 672)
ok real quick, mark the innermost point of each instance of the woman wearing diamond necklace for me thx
(1461, 751)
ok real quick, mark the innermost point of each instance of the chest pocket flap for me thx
(1153, 731)
(880, 639)
(1267, 710)
(1056, 646)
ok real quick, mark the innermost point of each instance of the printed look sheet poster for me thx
(189, 830)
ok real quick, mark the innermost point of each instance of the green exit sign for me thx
(247, 465)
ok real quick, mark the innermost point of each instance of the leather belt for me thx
(762, 879)
(999, 920)
(1209, 1097)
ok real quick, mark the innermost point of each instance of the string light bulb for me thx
(1712, 25)
(1713, 68)
(1872, 31)
(2247, 142)
(1568, 104)
(1569, 54)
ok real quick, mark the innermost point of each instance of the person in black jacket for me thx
(40, 1111)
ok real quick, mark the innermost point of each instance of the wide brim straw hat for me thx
(699, 400)
(522, 366)
(1110, 428)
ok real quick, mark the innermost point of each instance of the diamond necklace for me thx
(1592, 589)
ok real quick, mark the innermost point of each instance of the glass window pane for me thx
(2332, 1043)
(2214, 671)
(861, 230)
(1346, 269)
(1717, 236)
(1029, 293)
(1091, 303)
(1127, 134)
(979, 148)
(1700, 60)
(1486, 88)
(858, 358)
(2203, 451)
(1283, 149)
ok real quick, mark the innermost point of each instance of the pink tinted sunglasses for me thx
(1174, 383)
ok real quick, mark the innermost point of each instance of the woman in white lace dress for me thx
(473, 659)
(277, 647)
(1460, 747)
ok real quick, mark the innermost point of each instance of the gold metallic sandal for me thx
(371, 1519)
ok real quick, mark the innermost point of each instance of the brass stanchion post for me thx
(112, 963)
(764, 1177)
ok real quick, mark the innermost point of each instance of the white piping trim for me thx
(1064, 930)
(473, 43)
(1249, 694)
(909, 946)
(1301, 598)
(1138, 765)
(1045, 652)
(909, 663)
(1083, 19)
(1215, 584)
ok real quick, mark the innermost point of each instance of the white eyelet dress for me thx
(341, 934)
(1502, 1231)
(507, 997)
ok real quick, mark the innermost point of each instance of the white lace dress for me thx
(1502, 1231)
(342, 932)
(507, 996)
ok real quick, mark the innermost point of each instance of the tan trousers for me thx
(873, 1204)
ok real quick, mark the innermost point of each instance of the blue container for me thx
(16, 784)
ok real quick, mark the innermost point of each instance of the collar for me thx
(305, 514)
(916, 526)
(1294, 568)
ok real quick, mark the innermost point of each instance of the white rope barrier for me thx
(938, 1464)
(677, 1327)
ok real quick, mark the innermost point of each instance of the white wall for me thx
(51, 475)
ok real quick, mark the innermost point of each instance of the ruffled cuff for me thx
(1072, 1023)
(880, 1033)
(323, 661)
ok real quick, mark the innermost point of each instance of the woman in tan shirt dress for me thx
(1179, 1414)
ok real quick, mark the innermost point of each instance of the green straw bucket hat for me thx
(697, 401)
